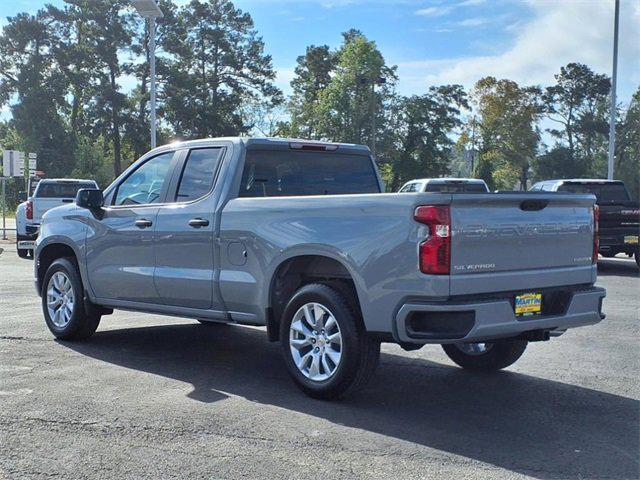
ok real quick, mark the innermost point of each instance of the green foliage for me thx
(92, 161)
(508, 128)
(628, 147)
(422, 127)
(62, 72)
(216, 62)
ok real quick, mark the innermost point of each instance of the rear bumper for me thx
(620, 241)
(27, 240)
(479, 320)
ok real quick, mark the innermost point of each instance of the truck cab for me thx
(445, 185)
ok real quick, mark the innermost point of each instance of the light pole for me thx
(150, 10)
(614, 78)
(373, 82)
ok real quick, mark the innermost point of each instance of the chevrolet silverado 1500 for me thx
(297, 236)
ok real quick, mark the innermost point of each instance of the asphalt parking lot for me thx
(158, 397)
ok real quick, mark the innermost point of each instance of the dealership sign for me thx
(13, 163)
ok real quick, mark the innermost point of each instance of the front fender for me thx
(66, 226)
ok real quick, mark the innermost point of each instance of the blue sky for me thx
(448, 41)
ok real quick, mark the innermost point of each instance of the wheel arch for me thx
(49, 253)
(298, 269)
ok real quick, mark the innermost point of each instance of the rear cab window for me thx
(456, 188)
(61, 189)
(198, 173)
(604, 192)
(276, 173)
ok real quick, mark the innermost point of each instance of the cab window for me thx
(144, 185)
(198, 174)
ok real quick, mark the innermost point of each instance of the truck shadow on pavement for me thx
(618, 268)
(525, 424)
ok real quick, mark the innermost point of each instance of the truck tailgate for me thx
(513, 241)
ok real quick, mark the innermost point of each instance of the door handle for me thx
(143, 223)
(198, 222)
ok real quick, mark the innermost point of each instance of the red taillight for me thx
(435, 251)
(29, 211)
(596, 233)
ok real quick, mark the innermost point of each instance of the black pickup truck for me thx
(619, 215)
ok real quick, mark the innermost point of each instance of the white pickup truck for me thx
(43, 196)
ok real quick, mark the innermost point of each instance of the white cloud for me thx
(471, 3)
(434, 11)
(556, 34)
(283, 79)
(473, 22)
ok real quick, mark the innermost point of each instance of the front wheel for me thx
(23, 253)
(63, 302)
(327, 351)
(487, 357)
(637, 257)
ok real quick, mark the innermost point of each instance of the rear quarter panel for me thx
(374, 236)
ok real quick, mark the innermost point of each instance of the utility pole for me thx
(150, 10)
(374, 113)
(614, 78)
(152, 74)
(473, 144)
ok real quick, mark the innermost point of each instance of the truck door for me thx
(185, 233)
(120, 251)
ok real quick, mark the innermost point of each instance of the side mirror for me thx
(22, 197)
(90, 198)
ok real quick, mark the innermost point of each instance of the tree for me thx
(215, 62)
(423, 128)
(628, 147)
(110, 28)
(578, 103)
(35, 89)
(345, 109)
(508, 129)
(313, 75)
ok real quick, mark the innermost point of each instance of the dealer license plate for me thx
(26, 244)
(528, 303)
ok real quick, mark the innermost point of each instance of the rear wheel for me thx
(63, 302)
(637, 257)
(487, 357)
(327, 351)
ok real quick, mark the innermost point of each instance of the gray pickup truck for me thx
(297, 236)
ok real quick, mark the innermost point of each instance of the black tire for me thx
(637, 257)
(359, 352)
(81, 325)
(23, 253)
(500, 355)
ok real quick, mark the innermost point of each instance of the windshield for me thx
(61, 190)
(456, 188)
(604, 192)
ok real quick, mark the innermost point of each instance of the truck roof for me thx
(268, 142)
(449, 180)
(65, 180)
(580, 180)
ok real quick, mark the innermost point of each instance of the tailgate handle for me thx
(533, 205)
